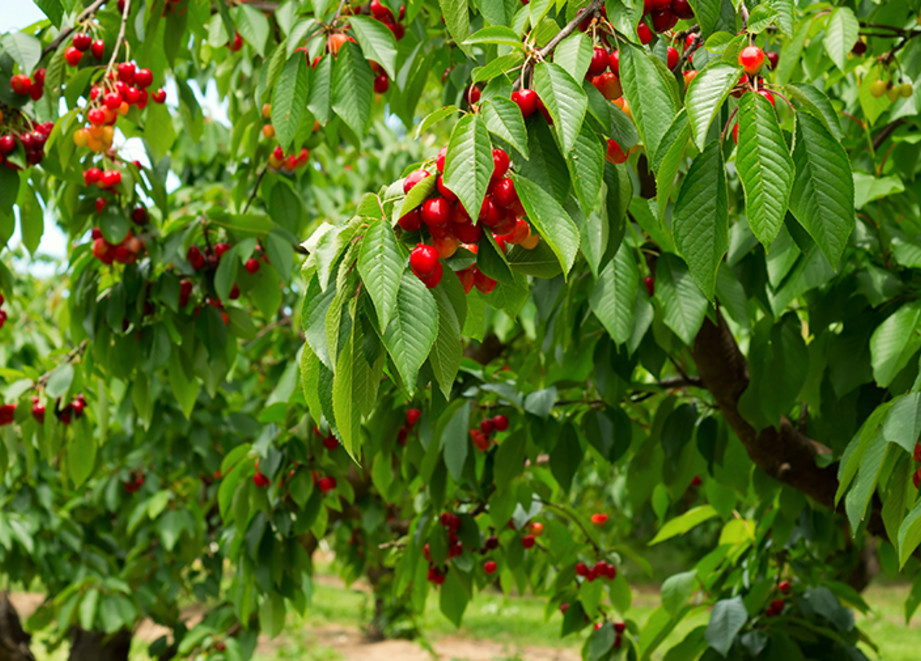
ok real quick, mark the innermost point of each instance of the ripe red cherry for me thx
(432, 281)
(91, 176)
(159, 96)
(751, 59)
(219, 248)
(440, 158)
(110, 178)
(98, 49)
(658, 5)
(500, 164)
(237, 42)
(490, 567)
(614, 62)
(599, 62)
(784, 587)
(261, 481)
(380, 12)
(414, 178)
(82, 41)
(663, 20)
(487, 426)
(112, 100)
(505, 195)
(126, 72)
(326, 484)
(682, 9)
(100, 204)
(444, 191)
(424, 260)
(620, 627)
(650, 285)
(767, 95)
(528, 541)
(615, 153)
(500, 422)
(252, 265)
(38, 77)
(21, 83)
(773, 58)
(672, 58)
(599, 519)
(412, 221)
(195, 257)
(38, 410)
(412, 417)
(7, 144)
(436, 212)
(381, 83)
(143, 78)
(916, 455)
(467, 233)
(581, 569)
(526, 100)
(73, 56)
(473, 95)
(643, 33)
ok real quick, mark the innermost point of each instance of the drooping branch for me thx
(785, 453)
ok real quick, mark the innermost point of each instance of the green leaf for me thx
(9, 189)
(894, 342)
(564, 99)
(289, 100)
(652, 102)
(88, 608)
(496, 34)
(455, 442)
(448, 350)
(412, 330)
(685, 306)
(380, 264)
(457, 20)
(765, 167)
(503, 118)
(841, 33)
(574, 54)
(903, 424)
(320, 95)
(376, 41)
(566, 456)
(586, 165)
(822, 199)
(681, 524)
(553, 223)
(707, 13)
(706, 95)
(677, 589)
(345, 408)
(59, 380)
(454, 596)
(352, 91)
(612, 296)
(909, 534)
(81, 453)
(541, 262)
(468, 163)
(701, 218)
(817, 103)
(25, 49)
(857, 448)
(726, 621)
(253, 27)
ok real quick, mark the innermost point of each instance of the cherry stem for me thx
(252, 196)
(120, 37)
(728, 124)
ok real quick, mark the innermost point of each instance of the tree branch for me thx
(594, 6)
(886, 132)
(785, 453)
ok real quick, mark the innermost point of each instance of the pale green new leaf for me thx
(841, 33)
(701, 219)
(683, 523)
(765, 167)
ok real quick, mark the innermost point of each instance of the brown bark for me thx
(14, 641)
(785, 453)
(97, 646)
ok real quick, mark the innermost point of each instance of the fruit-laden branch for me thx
(784, 453)
(594, 6)
(66, 32)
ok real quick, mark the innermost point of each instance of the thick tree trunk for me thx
(97, 646)
(14, 642)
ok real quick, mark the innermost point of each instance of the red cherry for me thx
(672, 57)
(484, 283)
(381, 83)
(96, 116)
(195, 258)
(412, 416)
(126, 72)
(143, 78)
(599, 519)
(82, 41)
(473, 95)
(528, 541)
(467, 232)
(615, 152)
(643, 33)
(490, 567)
(663, 20)
(751, 59)
(21, 83)
(490, 213)
(614, 62)
(252, 265)
(73, 56)
(774, 57)
(326, 484)
(423, 260)
(100, 204)
(500, 164)
(98, 49)
(444, 191)
(581, 569)
(436, 212)
(237, 42)
(432, 281)
(112, 100)
(658, 5)
(500, 422)
(487, 426)
(38, 410)
(526, 100)
(261, 481)
(599, 62)
(682, 9)
(7, 144)
(505, 195)
(91, 176)
(767, 95)
(381, 12)
(412, 221)
(916, 479)
(331, 442)
(440, 159)
(784, 587)
(38, 77)
(110, 178)
(159, 96)
(414, 178)
(650, 285)
(916, 455)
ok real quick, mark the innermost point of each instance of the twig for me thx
(72, 356)
(743, 12)
(576, 520)
(593, 6)
(121, 35)
(885, 134)
(66, 32)
(688, 51)
(252, 196)
(338, 12)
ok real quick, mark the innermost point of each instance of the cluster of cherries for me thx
(535, 530)
(412, 417)
(488, 426)
(32, 139)
(125, 251)
(134, 482)
(79, 44)
(2, 312)
(776, 606)
(330, 442)
(450, 225)
(69, 412)
(663, 15)
(600, 569)
(33, 87)
(452, 523)
(278, 160)
(752, 59)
